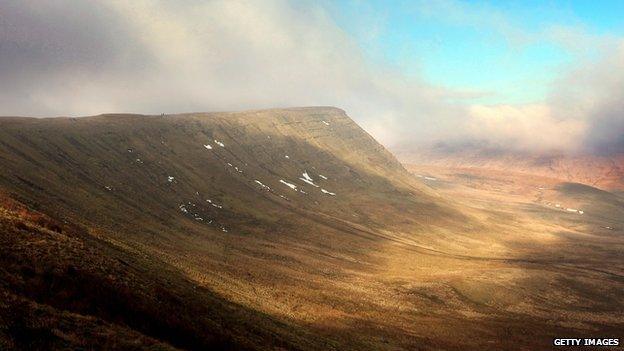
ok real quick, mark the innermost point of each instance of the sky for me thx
(508, 51)
(523, 75)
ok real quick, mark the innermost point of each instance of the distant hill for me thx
(601, 171)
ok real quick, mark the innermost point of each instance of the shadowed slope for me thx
(64, 289)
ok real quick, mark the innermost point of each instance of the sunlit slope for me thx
(574, 197)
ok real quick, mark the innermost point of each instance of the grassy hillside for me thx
(64, 289)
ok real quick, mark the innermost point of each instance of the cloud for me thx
(527, 127)
(58, 57)
(67, 58)
(593, 92)
(584, 113)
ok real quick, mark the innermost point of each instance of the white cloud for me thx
(160, 56)
(584, 113)
(593, 91)
(525, 127)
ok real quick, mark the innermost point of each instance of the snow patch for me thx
(208, 146)
(290, 185)
(328, 192)
(322, 176)
(219, 143)
(170, 179)
(326, 123)
(307, 176)
(309, 182)
(213, 204)
(262, 185)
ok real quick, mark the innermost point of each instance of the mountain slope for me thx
(63, 289)
(229, 202)
(89, 161)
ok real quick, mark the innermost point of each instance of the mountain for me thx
(601, 171)
(282, 229)
(115, 169)
(158, 207)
